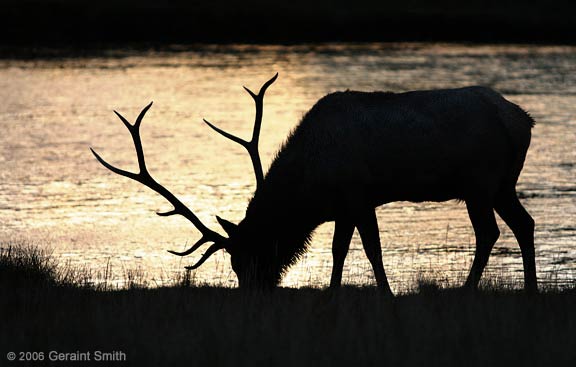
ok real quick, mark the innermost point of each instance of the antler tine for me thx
(252, 145)
(135, 133)
(225, 134)
(141, 115)
(147, 180)
(194, 247)
(211, 250)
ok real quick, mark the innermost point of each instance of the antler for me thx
(252, 145)
(146, 179)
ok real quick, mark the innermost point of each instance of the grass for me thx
(47, 309)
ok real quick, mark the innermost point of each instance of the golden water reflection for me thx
(53, 192)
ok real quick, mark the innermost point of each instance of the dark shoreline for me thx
(49, 307)
(56, 52)
(29, 25)
(354, 326)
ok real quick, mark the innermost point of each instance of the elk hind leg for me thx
(486, 232)
(343, 231)
(521, 223)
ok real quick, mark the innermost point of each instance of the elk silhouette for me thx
(354, 151)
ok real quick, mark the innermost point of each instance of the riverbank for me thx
(200, 325)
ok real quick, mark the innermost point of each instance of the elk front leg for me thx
(343, 230)
(367, 225)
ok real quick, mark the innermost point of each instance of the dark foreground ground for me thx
(89, 23)
(205, 326)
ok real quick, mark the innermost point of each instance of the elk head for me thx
(249, 264)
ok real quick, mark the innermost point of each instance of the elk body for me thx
(354, 151)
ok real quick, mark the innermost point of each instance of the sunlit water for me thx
(53, 192)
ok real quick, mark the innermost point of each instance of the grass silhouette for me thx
(47, 308)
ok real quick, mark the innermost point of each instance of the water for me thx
(53, 193)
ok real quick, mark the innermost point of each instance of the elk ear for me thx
(229, 227)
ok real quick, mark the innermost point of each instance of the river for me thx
(55, 195)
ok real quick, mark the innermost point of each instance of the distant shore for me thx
(67, 23)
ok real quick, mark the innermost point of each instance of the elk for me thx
(354, 151)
